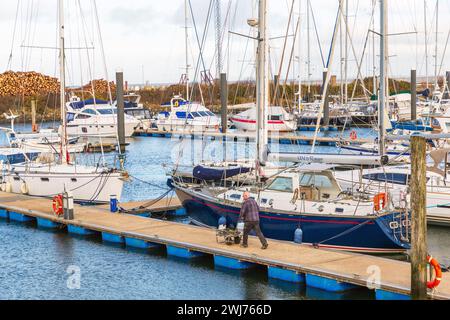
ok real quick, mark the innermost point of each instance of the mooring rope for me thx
(145, 205)
(343, 233)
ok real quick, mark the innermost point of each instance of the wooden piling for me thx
(413, 95)
(419, 222)
(120, 111)
(276, 84)
(34, 127)
(447, 88)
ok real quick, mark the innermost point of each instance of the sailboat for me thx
(184, 114)
(45, 177)
(307, 197)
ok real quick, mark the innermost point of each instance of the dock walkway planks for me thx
(341, 266)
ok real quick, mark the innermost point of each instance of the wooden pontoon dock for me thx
(319, 268)
(287, 138)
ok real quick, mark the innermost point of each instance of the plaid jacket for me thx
(249, 211)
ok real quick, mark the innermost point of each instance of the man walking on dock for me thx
(250, 216)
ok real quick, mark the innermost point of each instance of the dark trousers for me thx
(253, 225)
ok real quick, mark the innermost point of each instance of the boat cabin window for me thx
(275, 118)
(196, 114)
(203, 113)
(70, 117)
(184, 115)
(90, 111)
(235, 196)
(107, 111)
(143, 113)
(83, 116)
(317, 180)
(283, 184)
(397, 178)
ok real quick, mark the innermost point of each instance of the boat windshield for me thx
(283, 184)
(317, 180)
(107, 111)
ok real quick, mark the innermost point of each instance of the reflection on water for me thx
(34, 262)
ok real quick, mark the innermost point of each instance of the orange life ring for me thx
(438, 273)
(58, 208)
(353, 135)
(380, 201)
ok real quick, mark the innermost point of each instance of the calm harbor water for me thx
(37, 264)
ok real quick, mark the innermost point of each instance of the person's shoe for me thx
(264, 247)
(244, 246)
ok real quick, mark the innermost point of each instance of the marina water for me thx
(39, 264)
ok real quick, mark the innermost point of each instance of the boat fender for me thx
(438, 273)
(8, 187)
(24, 188)
(222, 222)
(298, 235)
(353, 135)
(57, 205)
(240, 227)
(380, 201)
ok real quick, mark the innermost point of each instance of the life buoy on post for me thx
(58, 208)
(380, 201)
(438, 273)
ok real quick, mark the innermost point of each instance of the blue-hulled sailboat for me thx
(307, 197)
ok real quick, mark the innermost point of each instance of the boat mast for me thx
(308, 22)
(186, 35)
(346, 54)
(426, 41)
(436, 48)
(299, 101)
(62, 79)
(383, 73)
(374, 58)
(262, 84)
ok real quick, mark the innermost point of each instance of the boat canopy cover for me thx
(18, 157)
(217, 173)
(82, 104)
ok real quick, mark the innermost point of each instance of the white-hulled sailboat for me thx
(47, 178)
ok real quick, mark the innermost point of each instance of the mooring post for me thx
(413, 95)
(120, 111)
(419, 221)
(34, 127)
(447, 87)
(68, 205)
(224, 101)
(326, 106)
(276, 83)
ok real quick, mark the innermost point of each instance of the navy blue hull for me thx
(364, 234)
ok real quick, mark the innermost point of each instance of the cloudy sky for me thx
(145, 38)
